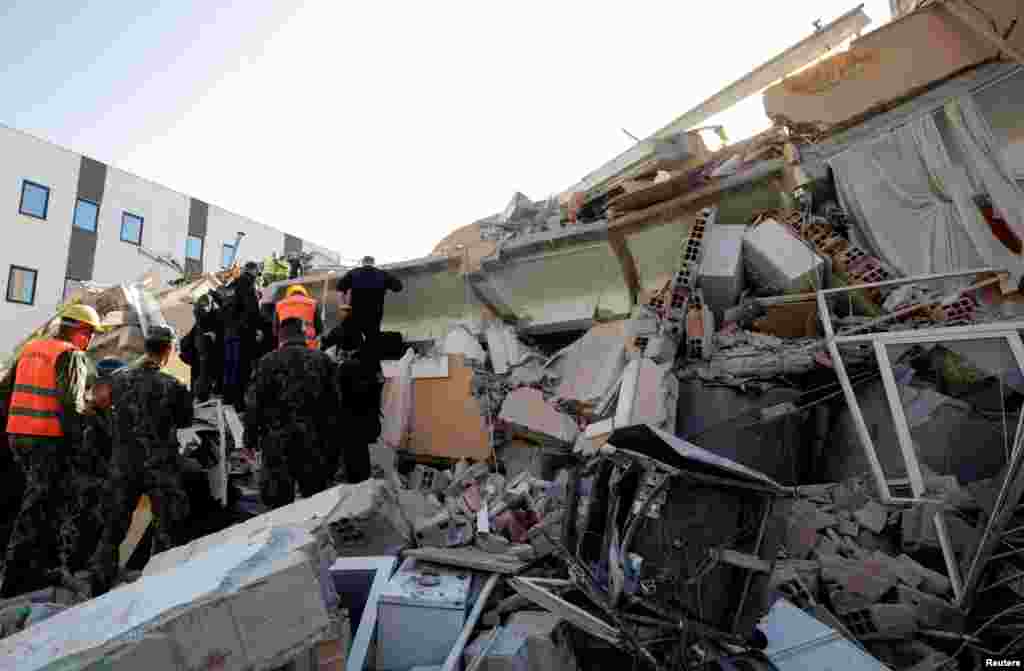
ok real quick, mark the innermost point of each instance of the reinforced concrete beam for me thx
(800, 54)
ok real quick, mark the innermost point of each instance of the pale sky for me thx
(377, 128)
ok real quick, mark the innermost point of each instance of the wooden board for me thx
(446, 419)
(141, 519)
(469, 558)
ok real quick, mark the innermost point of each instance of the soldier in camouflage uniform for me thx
(90, 467)
(292, 408)
(45, 389)
(149, 408)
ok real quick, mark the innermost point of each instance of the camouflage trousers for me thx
(163, 484)
(44, 534)
(293, 455)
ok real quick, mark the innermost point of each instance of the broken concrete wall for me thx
(884, 65)
(561, 290)
(527, 412)
(590, 368)
(649, 395)
(656, 251)
(435, 297)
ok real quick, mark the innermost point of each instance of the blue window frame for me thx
(194, 248)
(227, 253)
(21, 285)
(87, 214)
(131, 228)
(35, 199)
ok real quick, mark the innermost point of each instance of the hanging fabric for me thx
(914, 206)
(986, 163)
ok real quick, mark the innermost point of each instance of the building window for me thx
(131, 228)
(35, 199)
(227, 255)
(86, 215)
(70, 287)
(194, 248)
(21, 285)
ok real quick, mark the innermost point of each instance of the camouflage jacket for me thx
(91, 459)
(149, 408)
(294, 385)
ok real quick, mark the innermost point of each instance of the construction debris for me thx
(535, 495)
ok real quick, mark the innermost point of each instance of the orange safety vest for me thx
(300, 307)
(35, 404)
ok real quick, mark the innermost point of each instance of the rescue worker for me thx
(149, 406)
(209, 341)
(292, 417)
(46, 387)
(360, 386)
(367, 286)
(344, 335)
(91, 468)
(359, 389)
(297, 304)
(241, 315)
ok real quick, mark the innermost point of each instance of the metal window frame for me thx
(142, 225)
(46, 203)
(35, 284)
(223, 248)
(1009, 331)
(202, 247)
(74, 216)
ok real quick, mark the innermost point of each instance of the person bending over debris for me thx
(297, 304)
(368, 286)
(149, 408)
(46, 387)
(292, 417)
(344, 335)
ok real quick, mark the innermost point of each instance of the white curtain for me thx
(914, 205)
(986, 163)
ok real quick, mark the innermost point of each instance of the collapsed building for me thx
(753, 408)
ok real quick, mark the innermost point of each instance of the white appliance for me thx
(420, 614)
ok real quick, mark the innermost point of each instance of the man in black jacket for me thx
(367, 286)
(208, 370)
(241, 315)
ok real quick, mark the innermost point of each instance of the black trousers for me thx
(367, 323)
(356, 456)
(210, 367)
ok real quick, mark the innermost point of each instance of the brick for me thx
(873, 516)
(867, 577)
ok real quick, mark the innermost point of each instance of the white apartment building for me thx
(66, 218)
